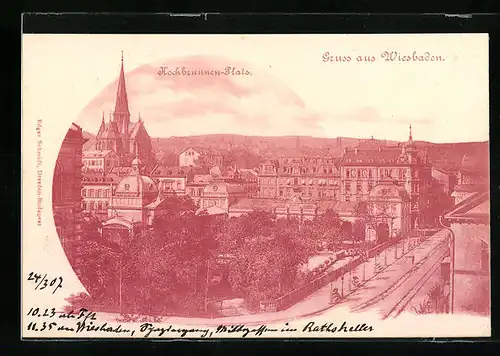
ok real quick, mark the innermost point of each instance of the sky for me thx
(291, 90)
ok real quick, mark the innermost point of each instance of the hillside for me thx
(250, 149)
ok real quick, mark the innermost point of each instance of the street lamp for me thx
(452, 267)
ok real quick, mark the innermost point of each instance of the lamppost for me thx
(206, 286)
(342, 283)
(452, 267)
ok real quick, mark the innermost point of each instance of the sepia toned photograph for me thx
(246, 186)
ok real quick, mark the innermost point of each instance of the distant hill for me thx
(251, 149)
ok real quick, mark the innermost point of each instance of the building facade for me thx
(362, 169)
(101, 162)
(218, 196)
(172, 180)
(66, 192)
(389, 213)
(188, 157)
(309, 178)
(470, 277)
(97, 191)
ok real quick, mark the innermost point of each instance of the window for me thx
(358, 186)
(91, 193)
(84, 193)
(369, 173)
(347, 173)
(127, 186)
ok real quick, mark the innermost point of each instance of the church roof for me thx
(121, 103)
(133, 128)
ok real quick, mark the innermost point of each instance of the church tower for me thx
(121, 115)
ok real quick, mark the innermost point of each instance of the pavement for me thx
(386, 282)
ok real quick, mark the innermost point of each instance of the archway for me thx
(382, 232)
(346, 230)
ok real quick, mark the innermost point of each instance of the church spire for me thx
(121, 114)
(410, 137)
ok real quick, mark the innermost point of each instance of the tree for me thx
(432, 202)
(325, 228)
(267, 262)
(152, 271)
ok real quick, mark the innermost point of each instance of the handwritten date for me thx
(42, 281)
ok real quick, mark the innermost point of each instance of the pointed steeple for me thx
(121, 114)
(103, 124)
(410, 139)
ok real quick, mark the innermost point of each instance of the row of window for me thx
(298, 181)
(305, 192)
(383, 172)
(307, 170)
(95, 205)
(96, 193)
(93, 162)
(358, 187)
(171, 185)
(195, 192)
(206, 203)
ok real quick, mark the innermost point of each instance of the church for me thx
(128, 139)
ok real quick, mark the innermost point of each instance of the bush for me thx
(77, 302)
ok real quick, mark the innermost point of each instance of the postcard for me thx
(255, 186)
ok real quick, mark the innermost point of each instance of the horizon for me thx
(302, 136)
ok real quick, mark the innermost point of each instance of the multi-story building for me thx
(362, 169)
(195, 187)
(188, 157)
(172, 180)
(97, 190)
(100, 161)
(472, 176)
(311, 178)
(204, 157)
(218, 196)
(66, 192)
(469, 275)
(445, 178)
(134, 204)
